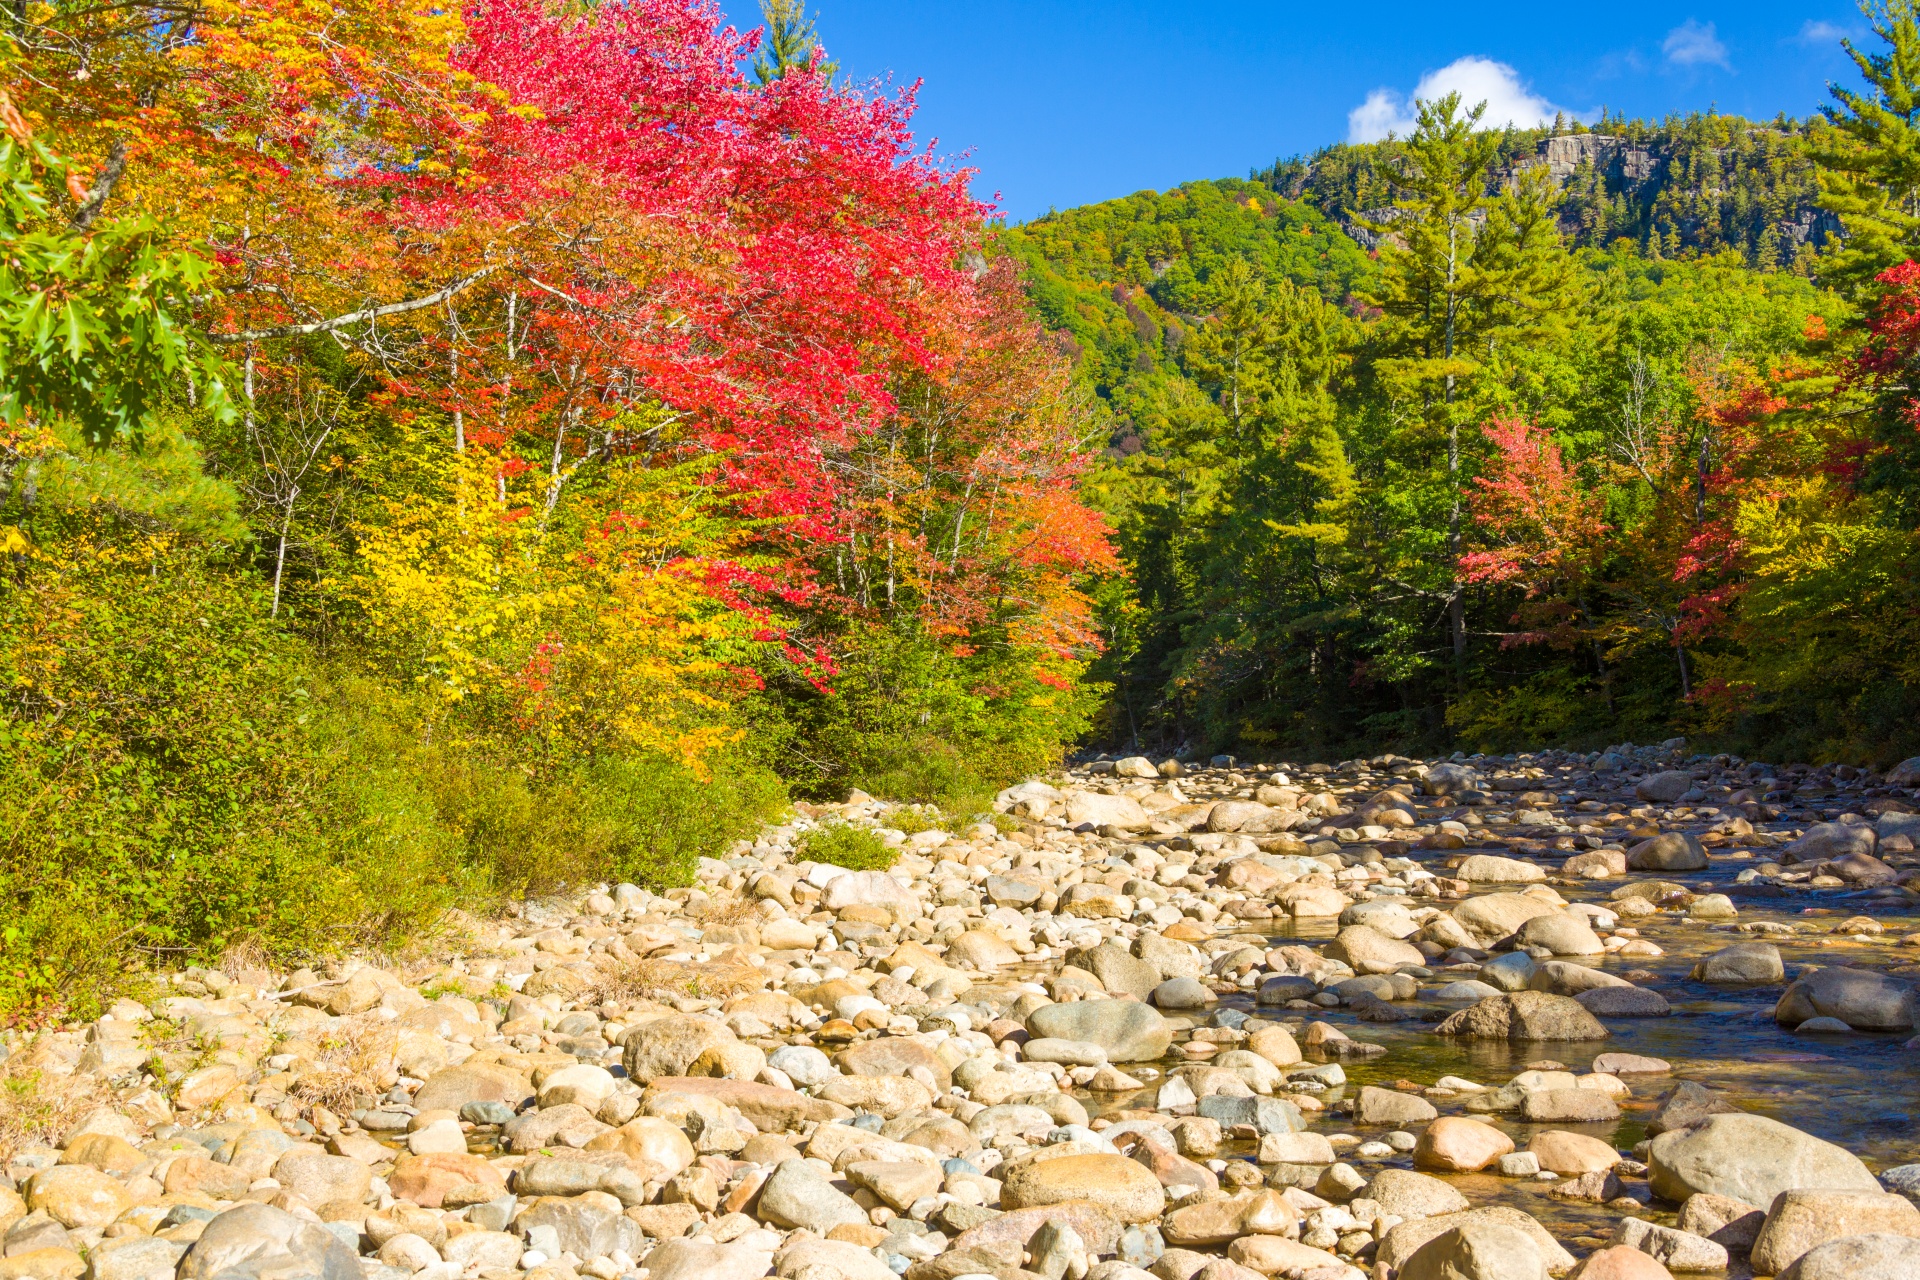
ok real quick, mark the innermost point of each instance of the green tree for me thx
(790, 41)
(1463, 271)
(1870, 167)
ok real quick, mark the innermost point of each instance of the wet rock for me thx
(1743, 962)
(1484, 868)
(1561, 934)
(1368, 950)
(1390, 1106)
(1670, 851)
(1829, 840)
(1861, 998)
(1624, 1002)
(1686, 1105)
(1524, 1015)
(1749, 1158)
(1493, 916)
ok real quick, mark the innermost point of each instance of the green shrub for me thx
(164, 793)
(842, 844)
(908, 719)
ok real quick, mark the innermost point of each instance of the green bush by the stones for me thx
(842, 844)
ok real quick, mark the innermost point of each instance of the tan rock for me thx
(656, 1148)
(1460, 1145)
(1126, 1189)
(1277, 1256)
(1802, 1220)
(77, 1195)
(1572, 1154)
(1620, 1262)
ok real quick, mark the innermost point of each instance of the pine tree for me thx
(1462, 272)
(790, 41)
(1870, 172)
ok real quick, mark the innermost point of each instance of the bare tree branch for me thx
(433, 299)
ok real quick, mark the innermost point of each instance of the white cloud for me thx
(1821, 33)
(1476, 80)
(1693, 44)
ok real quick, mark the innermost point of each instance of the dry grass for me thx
(729, 910)
(38, 1106)
(623, 982)
(355, 1059)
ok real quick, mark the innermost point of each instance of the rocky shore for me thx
(1620, 1016)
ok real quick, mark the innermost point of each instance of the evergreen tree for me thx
(790, 41)
(1870, 171)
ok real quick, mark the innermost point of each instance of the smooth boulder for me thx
(1749, 1158)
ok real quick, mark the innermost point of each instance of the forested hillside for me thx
(1626, 460)
(1684, 186)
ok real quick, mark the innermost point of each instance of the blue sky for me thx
(1063, 103)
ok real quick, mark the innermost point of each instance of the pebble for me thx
(1072, 1043)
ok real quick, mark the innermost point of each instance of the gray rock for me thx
(1119, 971)
(134, 1258)
(584, 1228)
(1749, 1158)
(1904, 1179)
(1674, 1249)
(1664, 788)
(1466, 989)
(1524, 1015)
(1743, 962)
(1829, 840)
(1007, 891)
(1128, 1030)
(1861, 998)
(1876, 1256)
(259, 1242)
(1510, 972)
(1449, 779)
(1182, 993)
(805, 1065)
(1686, 1105)
(1624, 1002)
(796, 1196)
(1669, 851)
(1268, 1115)
(1409, 1195)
